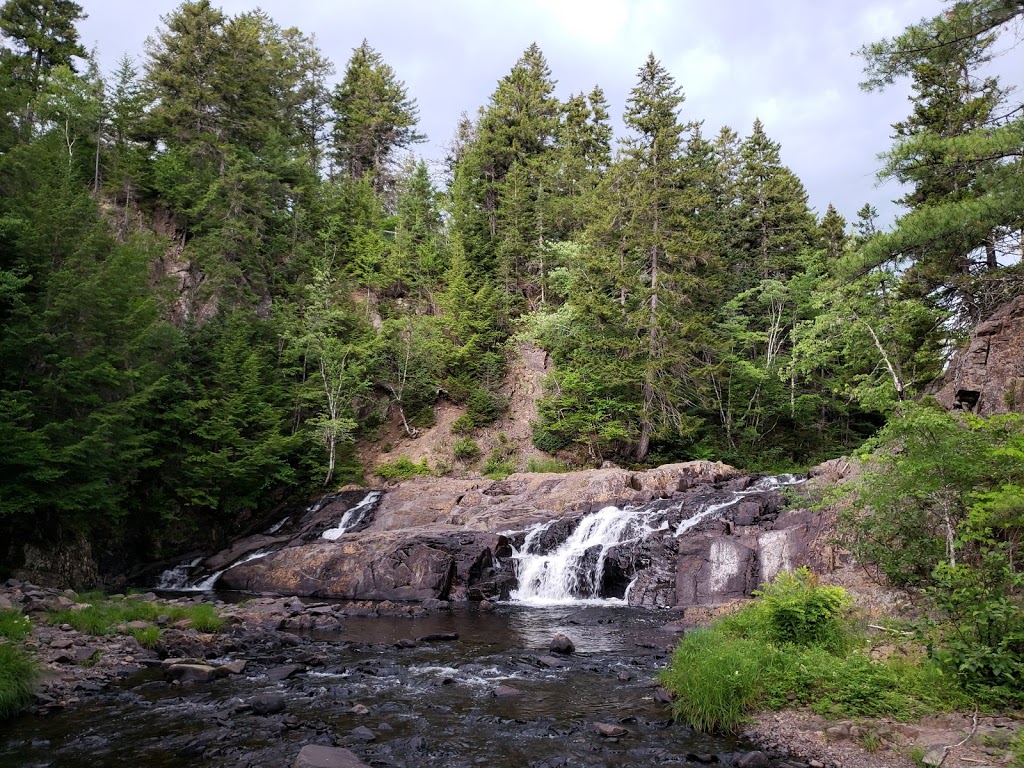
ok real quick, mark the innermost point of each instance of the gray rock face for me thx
(987, 376)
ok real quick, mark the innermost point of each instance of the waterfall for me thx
(575, 570)
(177, 577)
(353, 517)
(180, 581)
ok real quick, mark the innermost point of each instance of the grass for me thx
(797, 645)
(14, 625)
(18, 674)
(538, 464)
(402, 468)
(103, 616)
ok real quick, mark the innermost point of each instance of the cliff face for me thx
(987, 376)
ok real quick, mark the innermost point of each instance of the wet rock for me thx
(233, 667)
(406, 643)
(362, 734)
(561, 643)
(755, 759)
(267, 703)
(319, 756)
(439, 637)
(191, 673)
(610, 730)
(663, 695)
(278, 674)
(702, 757)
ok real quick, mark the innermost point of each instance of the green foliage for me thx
(463, 425)
(465, 449)
(794, 646)
(18, 674)
(402, 468)
(501, 461)
(942, 510)
(798, 610)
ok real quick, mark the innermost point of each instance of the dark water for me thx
(429, 705)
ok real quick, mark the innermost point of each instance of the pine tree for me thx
(374, 118)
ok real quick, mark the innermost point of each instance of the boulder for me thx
(610, 730)
(267, 703)
(561, 643)
(191, 673)
(318, 756)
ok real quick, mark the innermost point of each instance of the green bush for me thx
(484, 406)
(715, 678)
(463, 425)
(465, 449)
(402, 468)
(800, 611)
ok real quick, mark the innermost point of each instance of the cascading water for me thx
(178, 576)
(353, 517)
(575, 570)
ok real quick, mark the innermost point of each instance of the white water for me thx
(572, 572)
(177, 577)
(352, 517)
(181, 582)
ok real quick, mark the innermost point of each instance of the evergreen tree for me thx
(374, 118)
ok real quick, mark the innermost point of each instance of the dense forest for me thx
(222, 264)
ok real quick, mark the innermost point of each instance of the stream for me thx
(430, 704)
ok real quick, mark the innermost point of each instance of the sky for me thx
(790, 63)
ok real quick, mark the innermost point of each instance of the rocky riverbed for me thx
(321, 683)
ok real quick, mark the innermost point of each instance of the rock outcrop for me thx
(452, 539)
(987, 376)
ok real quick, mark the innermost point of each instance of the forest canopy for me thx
(222, 265)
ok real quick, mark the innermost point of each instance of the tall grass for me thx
(18, 674)
(14, 625)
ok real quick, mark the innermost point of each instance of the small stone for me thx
(360, 709)
(663, 696)
(190, 673)
(562, 644)
(934, 756)
(552, 662)
(816, 764)
(439, 637)
(838, 732)
(277, 674)
(610, 730)
(233, 667)
(405, 642)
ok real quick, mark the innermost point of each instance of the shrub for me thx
(402, 468)
(800, 611)
(463, 425)
(18, 674)
(485, 406)
(466, 449)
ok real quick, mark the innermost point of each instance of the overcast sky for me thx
(788, 62)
